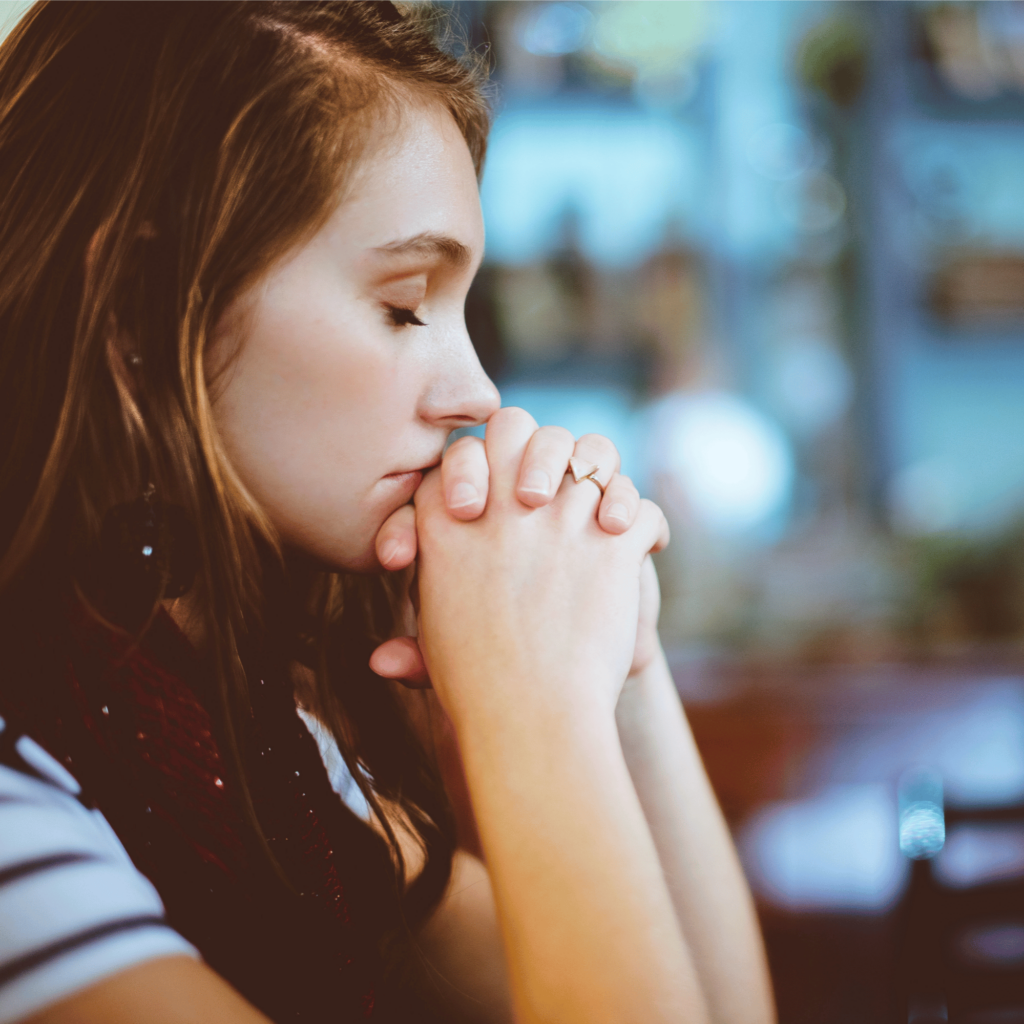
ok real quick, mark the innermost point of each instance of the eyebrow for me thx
(448, 249)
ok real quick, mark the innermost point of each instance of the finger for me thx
(650, 592)
(429, 497)
(508, 433)
(619, 506)
(400, 658)
(647, 621)
(396, 539)
(650, 531)
(547, 455)
(594, 450)
(464, 478)
(601, 452)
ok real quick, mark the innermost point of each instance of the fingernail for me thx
(388, 552)
(618, 512)
(462, 495)
(537, 482)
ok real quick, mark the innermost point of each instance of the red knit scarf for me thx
(132, 722)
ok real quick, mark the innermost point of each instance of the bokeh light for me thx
(733, 464)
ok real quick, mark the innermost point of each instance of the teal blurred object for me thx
(922, 823)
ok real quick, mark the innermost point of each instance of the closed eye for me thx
(399, 317)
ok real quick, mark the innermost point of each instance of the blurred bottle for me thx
(922, 821)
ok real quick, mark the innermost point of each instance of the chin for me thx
(323, 559)
(366, 563)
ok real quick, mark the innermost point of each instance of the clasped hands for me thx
(518, 468)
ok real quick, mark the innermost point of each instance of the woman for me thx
(235, 242)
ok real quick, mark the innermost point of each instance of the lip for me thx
(401, 474)
(410, 479)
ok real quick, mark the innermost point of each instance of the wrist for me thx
(508, 690)
(505, 713)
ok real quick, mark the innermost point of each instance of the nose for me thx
(460, 394)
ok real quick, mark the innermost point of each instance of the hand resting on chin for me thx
(465, 479)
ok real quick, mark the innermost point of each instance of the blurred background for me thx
(775, 251)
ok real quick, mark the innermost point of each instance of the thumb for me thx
(396, 539)
(400, 658)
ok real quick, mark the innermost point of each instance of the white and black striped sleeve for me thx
(73, 907)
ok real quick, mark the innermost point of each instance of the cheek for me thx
(312, 414)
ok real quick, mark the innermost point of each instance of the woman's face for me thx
(353, 361)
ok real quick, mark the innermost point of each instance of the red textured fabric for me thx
(134, 730)
(156, 714)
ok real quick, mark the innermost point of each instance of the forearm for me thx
(703, 873)
(462, 968)
(586, 918)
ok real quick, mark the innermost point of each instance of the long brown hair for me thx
(155, 159)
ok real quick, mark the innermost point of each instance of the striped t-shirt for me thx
(73, 907)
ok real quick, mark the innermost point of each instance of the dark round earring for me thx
(149, 550)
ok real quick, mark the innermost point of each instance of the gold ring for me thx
(583, 470)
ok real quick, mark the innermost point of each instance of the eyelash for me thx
(399, 317)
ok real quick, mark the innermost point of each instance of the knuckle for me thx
(466, 456)
(556, 437)
(465, 468)
(512, 416)
(649, 509)
(624, 489)
(461, 445)
(601, 447)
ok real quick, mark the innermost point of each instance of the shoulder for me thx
(73, 907)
